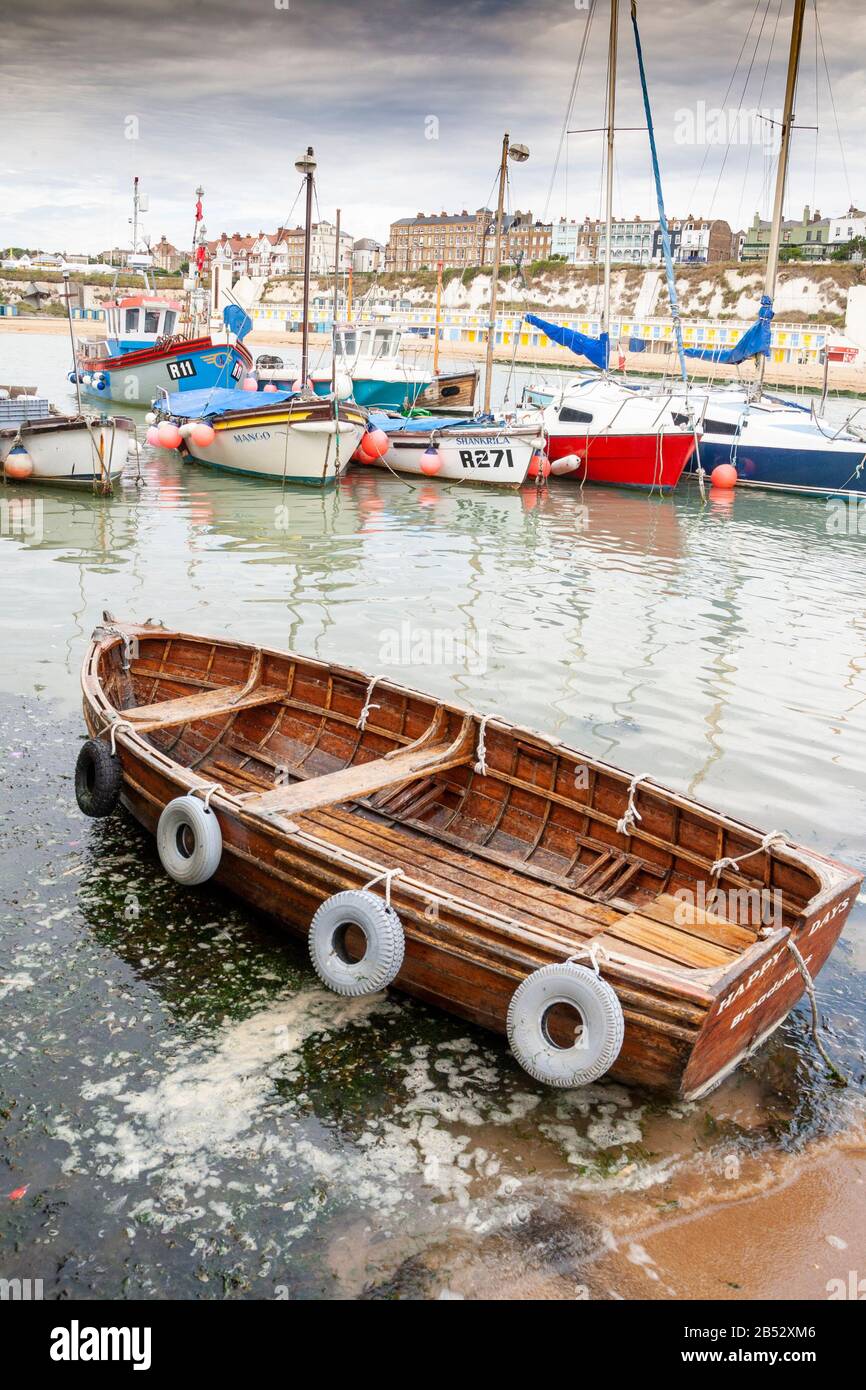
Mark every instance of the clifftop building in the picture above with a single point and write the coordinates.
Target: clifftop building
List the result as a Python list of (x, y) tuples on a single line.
[(463, 239)]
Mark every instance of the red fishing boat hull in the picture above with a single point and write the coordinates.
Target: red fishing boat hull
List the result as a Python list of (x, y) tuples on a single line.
[(625, 460)]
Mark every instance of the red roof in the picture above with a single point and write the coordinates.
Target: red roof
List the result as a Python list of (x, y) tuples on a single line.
[(137, 301)]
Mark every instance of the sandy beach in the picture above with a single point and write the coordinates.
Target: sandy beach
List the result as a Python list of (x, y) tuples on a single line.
[(843, 378)]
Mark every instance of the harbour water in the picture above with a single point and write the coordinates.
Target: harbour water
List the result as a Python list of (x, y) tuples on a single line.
[(187, 1113)]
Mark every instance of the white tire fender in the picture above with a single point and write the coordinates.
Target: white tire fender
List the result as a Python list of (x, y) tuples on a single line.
[(599, 1036), (385, 943), (189, 840)]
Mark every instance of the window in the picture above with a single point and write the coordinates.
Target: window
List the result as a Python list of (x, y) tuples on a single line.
[(170, 320), (130, 321), (576, 417)]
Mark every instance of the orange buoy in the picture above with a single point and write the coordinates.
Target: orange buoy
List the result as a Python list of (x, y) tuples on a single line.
[(539, 465), (375, 444), (724, 476), (152, 436), (19, 464)]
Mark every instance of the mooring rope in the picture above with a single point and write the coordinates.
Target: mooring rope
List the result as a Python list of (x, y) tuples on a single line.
[(816, 1027)]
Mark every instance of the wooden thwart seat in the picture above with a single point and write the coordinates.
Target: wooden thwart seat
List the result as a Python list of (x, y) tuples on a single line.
[(362, 779), (208, 704)]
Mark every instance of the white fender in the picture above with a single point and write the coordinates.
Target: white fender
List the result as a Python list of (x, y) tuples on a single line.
[(600, 1033)]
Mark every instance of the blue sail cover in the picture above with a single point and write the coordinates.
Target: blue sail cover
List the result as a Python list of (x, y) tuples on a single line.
[(202, 405), (597, 350), (237, 321), (755, 342)]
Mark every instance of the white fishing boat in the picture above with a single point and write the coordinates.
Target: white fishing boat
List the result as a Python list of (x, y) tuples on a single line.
[(284, 437), (459, 450), (39, 445), (373, 358)]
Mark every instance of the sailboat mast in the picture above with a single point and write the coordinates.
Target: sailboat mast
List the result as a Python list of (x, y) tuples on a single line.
[(306, 166), (336, 309), (494, 279), (611, 119), (782, 172)]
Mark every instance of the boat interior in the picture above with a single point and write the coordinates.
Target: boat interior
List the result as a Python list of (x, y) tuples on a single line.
[(521, 827)]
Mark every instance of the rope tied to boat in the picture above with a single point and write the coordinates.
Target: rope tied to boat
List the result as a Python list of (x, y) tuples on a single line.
[(387, 875), (116, 725), (110, 629), (774, 837), (209, 789), (813, 1002), (481, 750), (593, 953), (632, 814), (362, 717)]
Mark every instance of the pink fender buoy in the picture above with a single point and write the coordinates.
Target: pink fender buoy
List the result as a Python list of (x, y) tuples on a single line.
[(724, 476), (202, 434), (431, 461), (249, 384), (152, 436), (169, 436), (269, 386)]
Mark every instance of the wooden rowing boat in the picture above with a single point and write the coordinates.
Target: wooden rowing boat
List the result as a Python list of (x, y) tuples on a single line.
[(506, 852)]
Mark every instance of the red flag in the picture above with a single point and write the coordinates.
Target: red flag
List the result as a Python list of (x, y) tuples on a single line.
[(199, 258), (198, 211)]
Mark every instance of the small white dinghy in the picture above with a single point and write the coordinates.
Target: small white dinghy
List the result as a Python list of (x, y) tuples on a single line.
[(459, 450), (39, 445)]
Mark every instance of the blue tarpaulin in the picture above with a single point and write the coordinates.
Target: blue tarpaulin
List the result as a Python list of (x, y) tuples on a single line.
[(754, 342), (390, 425), (201, 405), (597, 350), (637, 344)]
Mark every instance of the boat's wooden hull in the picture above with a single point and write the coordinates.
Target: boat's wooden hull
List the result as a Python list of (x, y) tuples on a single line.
[(479, 914), (450, 391)]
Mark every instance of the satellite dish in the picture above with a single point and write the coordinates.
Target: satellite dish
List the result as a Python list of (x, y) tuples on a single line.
[(519, 153)]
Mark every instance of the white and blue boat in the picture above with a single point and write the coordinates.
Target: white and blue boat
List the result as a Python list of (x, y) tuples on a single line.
[(372, 358), (143, 353)]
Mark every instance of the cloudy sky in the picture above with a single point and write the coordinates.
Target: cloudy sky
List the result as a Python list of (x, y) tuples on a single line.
[(405, 103)]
